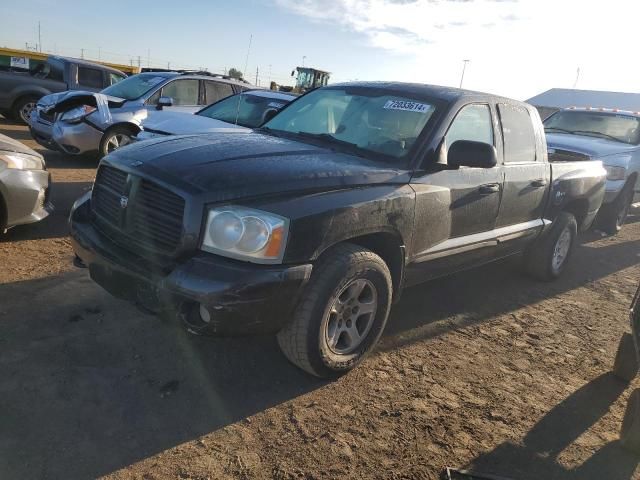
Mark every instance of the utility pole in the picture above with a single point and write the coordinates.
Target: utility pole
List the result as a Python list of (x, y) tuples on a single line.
[(82, 53), (464, 68), (138, 61), (269, 74), (168, 65), (304, 57), (39, 38)]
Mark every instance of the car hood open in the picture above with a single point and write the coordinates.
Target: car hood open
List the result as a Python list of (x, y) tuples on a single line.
[(180, 123), (221, 167)]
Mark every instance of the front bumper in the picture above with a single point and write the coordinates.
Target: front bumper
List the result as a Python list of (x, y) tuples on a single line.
[(242, 298), (76, 138), (42, 131), (26, 195)]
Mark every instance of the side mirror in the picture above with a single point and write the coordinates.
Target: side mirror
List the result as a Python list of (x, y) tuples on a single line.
[(466, 153), (268, 115), (164, 102)]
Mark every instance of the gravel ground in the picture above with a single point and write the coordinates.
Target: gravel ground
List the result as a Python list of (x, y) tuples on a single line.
[(485, 369)]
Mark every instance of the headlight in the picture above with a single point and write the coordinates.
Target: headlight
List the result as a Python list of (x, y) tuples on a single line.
[(246, 234), (78, 113), (21, 161), (615, 173)]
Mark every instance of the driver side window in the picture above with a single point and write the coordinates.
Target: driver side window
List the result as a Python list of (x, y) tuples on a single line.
[(473, 123)]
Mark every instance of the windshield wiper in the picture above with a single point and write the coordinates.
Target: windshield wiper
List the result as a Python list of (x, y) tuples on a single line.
[(558, 129), (325, 137), (605, 135)]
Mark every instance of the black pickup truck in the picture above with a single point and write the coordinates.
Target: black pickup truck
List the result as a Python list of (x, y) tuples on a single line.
[(312, 225)]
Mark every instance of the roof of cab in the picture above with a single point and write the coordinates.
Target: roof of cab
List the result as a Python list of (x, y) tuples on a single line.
[(87, 63), (448, 94)]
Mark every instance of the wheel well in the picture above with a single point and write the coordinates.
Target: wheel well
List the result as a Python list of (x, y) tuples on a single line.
[(579, 209), (24, 95), (391, 249), (132, 127)]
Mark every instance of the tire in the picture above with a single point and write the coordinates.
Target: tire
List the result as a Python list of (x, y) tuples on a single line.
[(23, 107), (630, 429), (347, 280), (611, 217), (548, 257), (625, 366), (112, 139)]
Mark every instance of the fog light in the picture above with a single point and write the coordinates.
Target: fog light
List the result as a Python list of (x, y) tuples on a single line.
[(205, 316)]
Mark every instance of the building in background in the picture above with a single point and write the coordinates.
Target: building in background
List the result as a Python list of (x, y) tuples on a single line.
[(557, 98)]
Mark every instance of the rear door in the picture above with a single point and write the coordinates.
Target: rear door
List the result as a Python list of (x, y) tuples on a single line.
[(89, 78), (215, 91), (456, 210), (527, 178)]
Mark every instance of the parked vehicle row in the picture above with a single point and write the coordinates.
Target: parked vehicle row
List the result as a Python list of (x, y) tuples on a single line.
[(612, 136), (312, 225), (79, 122), (21, 91)]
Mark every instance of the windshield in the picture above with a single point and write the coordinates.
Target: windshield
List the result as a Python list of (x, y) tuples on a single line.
[(250, 110), (612, 126), (134, 87), (369, 120)]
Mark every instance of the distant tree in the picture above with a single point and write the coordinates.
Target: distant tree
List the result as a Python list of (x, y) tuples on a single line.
[(235, 73)]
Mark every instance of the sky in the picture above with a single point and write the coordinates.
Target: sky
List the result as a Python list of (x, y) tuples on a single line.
[(516, 48)]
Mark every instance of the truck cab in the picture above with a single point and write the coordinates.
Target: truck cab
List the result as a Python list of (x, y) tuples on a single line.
[(609, 135)]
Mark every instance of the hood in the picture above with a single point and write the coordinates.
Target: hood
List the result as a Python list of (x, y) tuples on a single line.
[(75, 97), (179, 123), (10, 145), (593, 147), (227, 166)]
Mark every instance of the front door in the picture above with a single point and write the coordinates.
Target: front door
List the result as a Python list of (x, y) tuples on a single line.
[(456, 210)]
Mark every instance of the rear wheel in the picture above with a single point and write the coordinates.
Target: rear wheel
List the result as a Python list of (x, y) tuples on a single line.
[(548, 257), (612, 216), (115, 138), (22, 108), (342, 313)]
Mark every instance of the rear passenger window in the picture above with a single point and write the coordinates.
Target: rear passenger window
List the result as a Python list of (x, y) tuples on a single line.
[(183, 92), (90, 77), (215, 91), (519, 136), (473, 123)]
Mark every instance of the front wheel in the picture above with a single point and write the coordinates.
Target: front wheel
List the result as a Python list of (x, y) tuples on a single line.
[(23, 107), (115, 138), (341, 314), (625, 365), (612, 216), (548, 257)]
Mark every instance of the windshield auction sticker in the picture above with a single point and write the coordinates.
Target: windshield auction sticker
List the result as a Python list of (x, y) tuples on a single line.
[(406, 106)]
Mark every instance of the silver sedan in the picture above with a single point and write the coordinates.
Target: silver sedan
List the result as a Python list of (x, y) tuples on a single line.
[(24, 185)]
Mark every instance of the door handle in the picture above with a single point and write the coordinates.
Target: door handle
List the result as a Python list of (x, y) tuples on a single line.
[(539, 183), (489, 188)]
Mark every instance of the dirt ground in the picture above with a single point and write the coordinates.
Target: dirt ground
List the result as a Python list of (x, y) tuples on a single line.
[(485, 369)]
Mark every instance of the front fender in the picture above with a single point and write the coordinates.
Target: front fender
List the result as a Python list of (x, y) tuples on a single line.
[(321, 220)]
